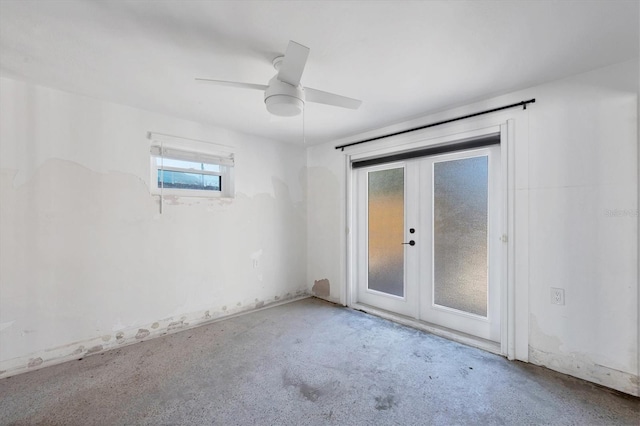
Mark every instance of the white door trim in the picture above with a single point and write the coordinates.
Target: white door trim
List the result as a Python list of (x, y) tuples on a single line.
[(514, 310)]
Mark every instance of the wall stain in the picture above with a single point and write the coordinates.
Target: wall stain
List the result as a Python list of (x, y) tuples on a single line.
[(174, 325), (34, 362), (321, 288), (155, 325), (207, 315), (141, 211), (78, 351), (142, 333), (94, 349)]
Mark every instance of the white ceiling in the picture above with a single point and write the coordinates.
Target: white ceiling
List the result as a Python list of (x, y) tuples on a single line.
[(402, 58)]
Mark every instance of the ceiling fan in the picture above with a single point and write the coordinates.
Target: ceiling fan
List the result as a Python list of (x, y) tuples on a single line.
[(284, 96)]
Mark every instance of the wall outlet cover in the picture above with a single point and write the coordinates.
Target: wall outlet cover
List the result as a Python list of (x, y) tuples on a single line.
[(557, 296)]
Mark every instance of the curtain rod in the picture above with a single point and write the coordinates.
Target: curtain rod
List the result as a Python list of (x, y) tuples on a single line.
[(522, 104)]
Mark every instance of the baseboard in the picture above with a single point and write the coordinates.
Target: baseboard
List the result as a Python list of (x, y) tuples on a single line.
[(599, 374), (456, 336), (80, 349), (334, 300)]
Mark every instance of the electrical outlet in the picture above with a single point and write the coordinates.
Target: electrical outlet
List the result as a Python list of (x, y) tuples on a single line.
[(557, 296)]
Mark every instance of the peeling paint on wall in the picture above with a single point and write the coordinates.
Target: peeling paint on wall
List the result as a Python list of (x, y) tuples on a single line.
[(325, 218), (35, 362), (321, 288), (548, 352), (74, 213), (142, 333), (78, 222), (175, 324), (113, 235), (95, 349), (133, 335)]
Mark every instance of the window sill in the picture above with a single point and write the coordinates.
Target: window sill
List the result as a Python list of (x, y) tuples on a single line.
[(193, 195)]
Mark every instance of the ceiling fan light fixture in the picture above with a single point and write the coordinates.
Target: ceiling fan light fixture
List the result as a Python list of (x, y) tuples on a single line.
[(284, 96), (284, 105)]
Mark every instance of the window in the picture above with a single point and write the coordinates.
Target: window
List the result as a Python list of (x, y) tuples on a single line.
[(182, 174), (190, 173)]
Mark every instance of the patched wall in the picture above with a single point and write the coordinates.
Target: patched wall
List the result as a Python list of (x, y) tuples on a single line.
[(86, 259)]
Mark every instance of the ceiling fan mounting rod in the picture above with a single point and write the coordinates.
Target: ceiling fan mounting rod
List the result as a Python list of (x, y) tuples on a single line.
[(277, 62)]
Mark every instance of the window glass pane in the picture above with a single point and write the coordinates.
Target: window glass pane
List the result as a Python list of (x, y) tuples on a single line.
[(184, 180), (212, 183), (460, 208), (183, 164), (386, 231), (210, 167)]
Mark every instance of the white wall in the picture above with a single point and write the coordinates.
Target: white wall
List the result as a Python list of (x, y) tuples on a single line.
[(88, 263), (576, 215), (86, 260)]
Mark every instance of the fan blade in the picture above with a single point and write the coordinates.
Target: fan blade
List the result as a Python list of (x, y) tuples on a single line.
[(318, 96), (233, 84), (293, 63)]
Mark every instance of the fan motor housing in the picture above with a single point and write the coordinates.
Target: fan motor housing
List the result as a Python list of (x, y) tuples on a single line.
[(283, 99)]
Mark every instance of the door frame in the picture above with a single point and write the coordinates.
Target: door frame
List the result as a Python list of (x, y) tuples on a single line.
[(514, 281)]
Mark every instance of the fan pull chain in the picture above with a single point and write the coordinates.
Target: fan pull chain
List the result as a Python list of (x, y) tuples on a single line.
[(161, 174)]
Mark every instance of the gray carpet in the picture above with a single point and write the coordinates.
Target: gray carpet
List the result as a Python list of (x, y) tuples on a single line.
[(307, 362)]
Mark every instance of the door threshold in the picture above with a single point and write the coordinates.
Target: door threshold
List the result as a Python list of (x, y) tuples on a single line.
[(447, 333)]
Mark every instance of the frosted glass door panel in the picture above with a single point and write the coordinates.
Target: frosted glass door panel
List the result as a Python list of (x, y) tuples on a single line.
[(386, 231), (460, 206)]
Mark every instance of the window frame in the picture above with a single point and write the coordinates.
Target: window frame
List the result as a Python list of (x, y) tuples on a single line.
[(224, 163)]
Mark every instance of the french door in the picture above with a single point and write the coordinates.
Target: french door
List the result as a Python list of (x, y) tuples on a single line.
[(428, 239)]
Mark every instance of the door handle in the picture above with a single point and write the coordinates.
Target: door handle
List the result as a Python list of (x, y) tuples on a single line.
[(411, 243)]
